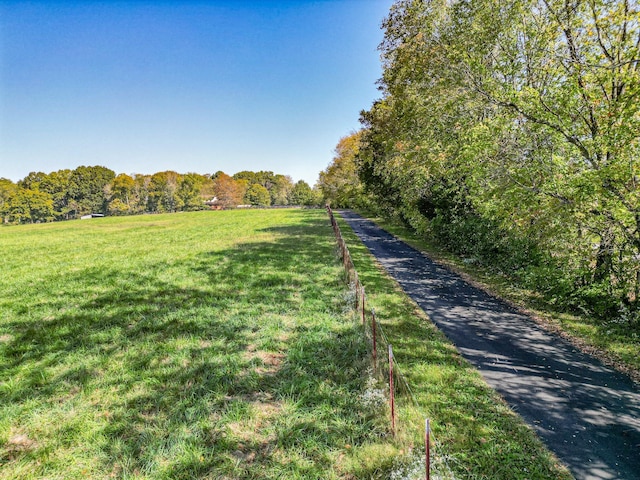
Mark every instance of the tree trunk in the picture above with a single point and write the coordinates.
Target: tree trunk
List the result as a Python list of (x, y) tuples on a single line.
[(604, 257)]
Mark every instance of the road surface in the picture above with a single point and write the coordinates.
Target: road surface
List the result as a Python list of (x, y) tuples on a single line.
[(585, 412)]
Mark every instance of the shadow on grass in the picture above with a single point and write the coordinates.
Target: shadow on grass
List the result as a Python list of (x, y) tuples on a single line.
[(470, 422), (254, 371), (585, 412)]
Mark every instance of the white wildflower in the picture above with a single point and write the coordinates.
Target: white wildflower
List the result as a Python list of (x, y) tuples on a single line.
[(373, 397)]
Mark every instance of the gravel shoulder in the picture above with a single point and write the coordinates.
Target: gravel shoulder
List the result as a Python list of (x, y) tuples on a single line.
[(587, 413)]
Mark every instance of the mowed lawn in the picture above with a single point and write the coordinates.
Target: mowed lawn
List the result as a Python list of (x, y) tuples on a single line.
[(196, 345)]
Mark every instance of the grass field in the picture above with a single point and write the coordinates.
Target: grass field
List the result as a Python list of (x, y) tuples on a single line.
[(205, 345), (219, 345)]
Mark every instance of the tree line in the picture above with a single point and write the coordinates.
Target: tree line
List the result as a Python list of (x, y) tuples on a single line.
[(68, 194), (509, 132)]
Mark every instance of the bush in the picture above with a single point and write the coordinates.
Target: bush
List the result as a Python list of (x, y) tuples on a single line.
[(473, 236)]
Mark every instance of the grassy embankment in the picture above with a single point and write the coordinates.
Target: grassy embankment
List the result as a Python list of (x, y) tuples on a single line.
[(476, 432), (217, 345), (613, 340)]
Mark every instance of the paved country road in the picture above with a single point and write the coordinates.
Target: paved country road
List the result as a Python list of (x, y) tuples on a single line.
[(585, 412)]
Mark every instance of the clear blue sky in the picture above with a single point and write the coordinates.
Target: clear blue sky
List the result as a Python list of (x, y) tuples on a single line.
[(199, 86)]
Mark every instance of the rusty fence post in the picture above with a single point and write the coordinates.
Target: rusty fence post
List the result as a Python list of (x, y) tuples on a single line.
[(427, 448), (392, 399), (363, 305), (344, 257), (375, 342)]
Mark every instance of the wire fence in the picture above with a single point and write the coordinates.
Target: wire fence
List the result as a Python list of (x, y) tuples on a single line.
[(406, 416)]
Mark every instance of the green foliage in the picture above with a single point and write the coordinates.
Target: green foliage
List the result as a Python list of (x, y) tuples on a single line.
[(57, 184), (258, 195), (281, 190), (189, 192), (86, 189), (119, 207), (32, 180), (29, 206), (122, 195), (162, 192), (7, 190), (302, 194), (339, 182), (526, 114), (278, 186), (98, 190)]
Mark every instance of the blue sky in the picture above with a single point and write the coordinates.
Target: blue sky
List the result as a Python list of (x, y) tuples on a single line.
[(199, 86)]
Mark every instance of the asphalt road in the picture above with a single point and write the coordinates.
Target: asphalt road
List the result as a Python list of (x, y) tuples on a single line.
[(585, 412)]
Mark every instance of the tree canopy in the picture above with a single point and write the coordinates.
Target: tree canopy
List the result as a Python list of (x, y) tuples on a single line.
[(339, 182), (258, 195), (68, 194), (510, 132)]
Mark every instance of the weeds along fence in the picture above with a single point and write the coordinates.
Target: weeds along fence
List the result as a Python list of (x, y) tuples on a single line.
[(407, 421)]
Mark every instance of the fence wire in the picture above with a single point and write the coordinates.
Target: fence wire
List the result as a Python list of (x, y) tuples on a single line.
[(377, 339)]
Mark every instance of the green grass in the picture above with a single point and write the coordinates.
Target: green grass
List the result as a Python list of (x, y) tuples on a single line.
[(201, 345), (220, 345), (613, 340), (476, 432)]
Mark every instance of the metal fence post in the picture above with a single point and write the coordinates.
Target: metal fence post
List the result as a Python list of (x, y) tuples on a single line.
[(392, 399), (363, 305), (375, 341), (427, 448)]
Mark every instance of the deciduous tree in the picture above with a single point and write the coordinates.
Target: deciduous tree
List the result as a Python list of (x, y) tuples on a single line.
[(87, 190), (228, 191), (190, 191), (521, 118), (302, 194), (162, 192), (7, 191), (57, 185), (121, 194), (29, 206), (258, 195), (339, 182)]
